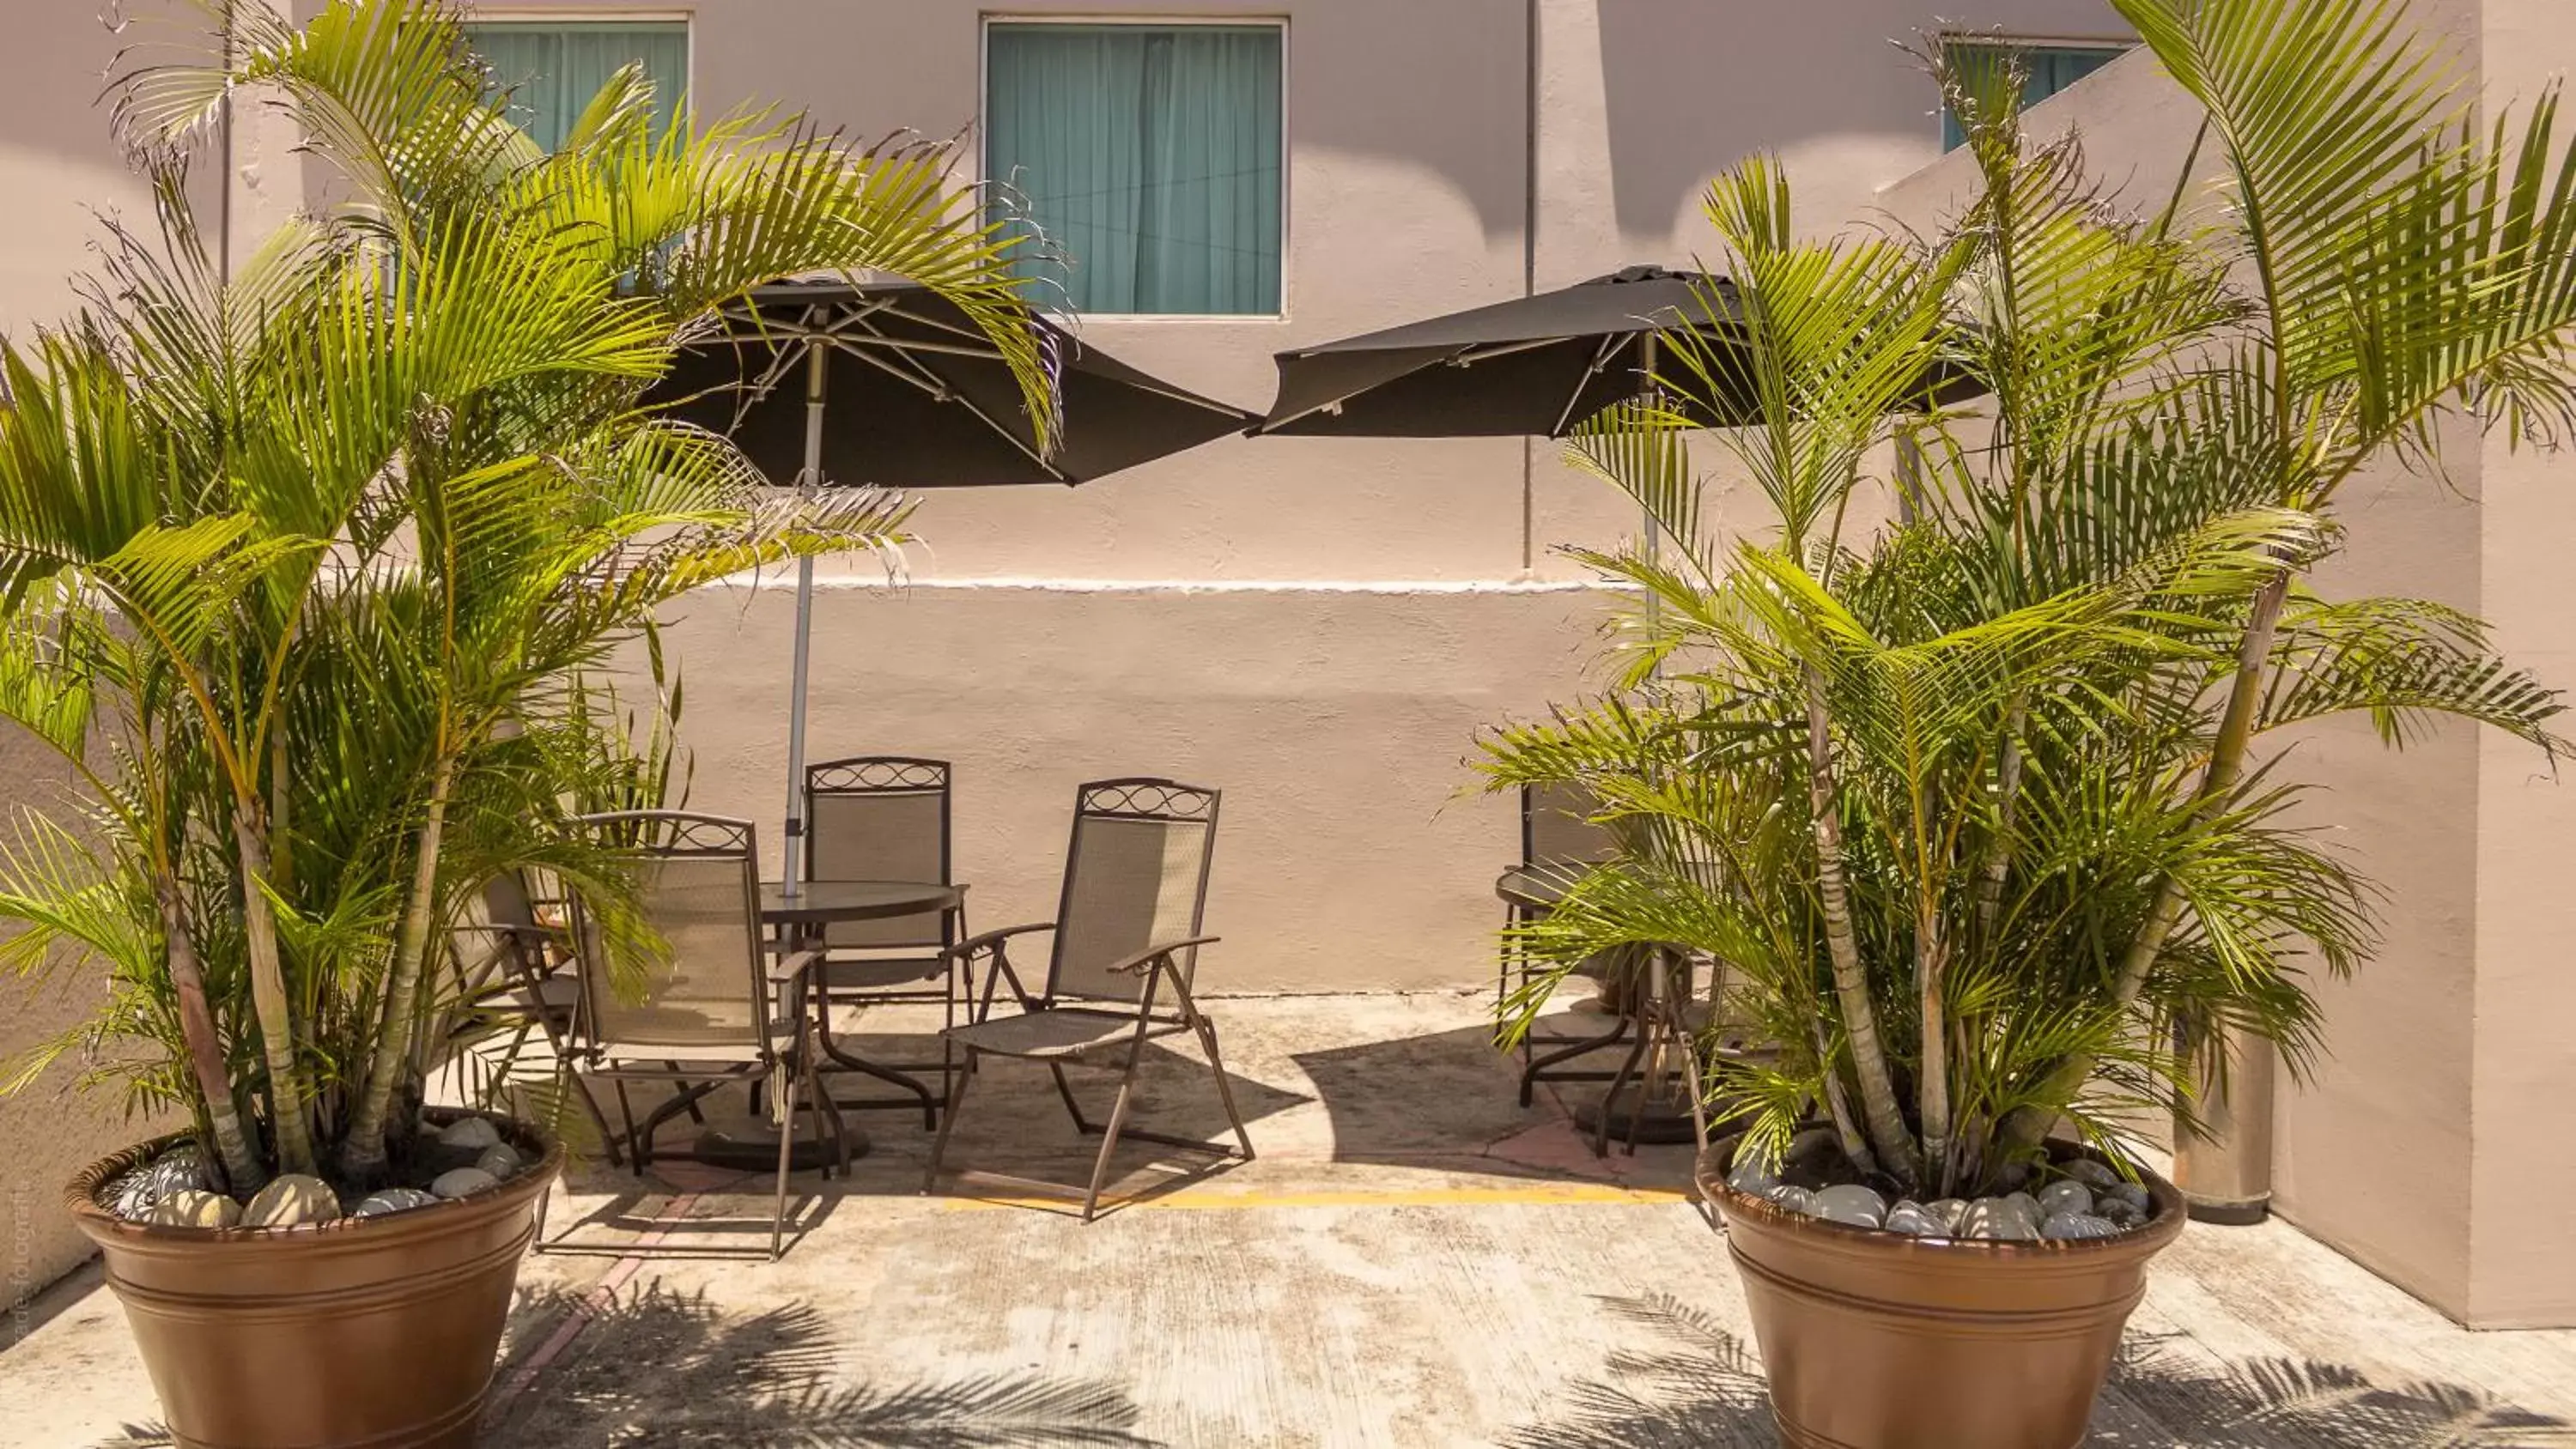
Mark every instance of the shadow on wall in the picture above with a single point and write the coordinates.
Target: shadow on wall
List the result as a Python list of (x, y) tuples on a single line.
[(654, 1367), (1700, 1387)]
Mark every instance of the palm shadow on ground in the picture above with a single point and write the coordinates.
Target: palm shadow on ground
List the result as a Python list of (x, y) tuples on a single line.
[(1698, 1387), (652, 1367)]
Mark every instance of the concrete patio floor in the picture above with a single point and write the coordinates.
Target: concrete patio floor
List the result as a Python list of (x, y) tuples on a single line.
[(1412, 1260)]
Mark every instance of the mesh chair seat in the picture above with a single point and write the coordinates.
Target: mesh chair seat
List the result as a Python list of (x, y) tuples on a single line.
[(1066, 1031), (782, 1035)]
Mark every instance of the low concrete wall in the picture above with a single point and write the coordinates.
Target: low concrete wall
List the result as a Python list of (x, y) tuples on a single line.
[(1336, 720)]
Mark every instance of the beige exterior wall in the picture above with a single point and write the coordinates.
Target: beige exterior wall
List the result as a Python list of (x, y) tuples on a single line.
[(60, 174), (2448, 1065), (2523, 1252)]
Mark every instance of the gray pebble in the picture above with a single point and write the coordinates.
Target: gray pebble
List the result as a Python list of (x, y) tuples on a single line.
[(1851, 1203), (391, 1200), (192, 1208), (1795, 1199), (181, 1169), (290, 1200), (1995, 1218), (2064, 1197), (2025, 1205), (463, 1182), (501, 1160), (2090, 1173), (2118, 1213), (470, 1132), (2138, 1198), (1915, 1220), (2078, 1225), (1755, 1172), (1952, 1211)]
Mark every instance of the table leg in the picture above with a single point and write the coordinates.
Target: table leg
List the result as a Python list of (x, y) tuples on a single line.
[(755, 1148)]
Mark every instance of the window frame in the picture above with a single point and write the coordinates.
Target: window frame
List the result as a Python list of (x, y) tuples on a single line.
[(984, 101), (504, 13), (2114, 46)]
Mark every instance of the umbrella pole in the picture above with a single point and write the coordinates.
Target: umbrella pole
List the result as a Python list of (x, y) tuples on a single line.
[(1654, 539), (817, 358)]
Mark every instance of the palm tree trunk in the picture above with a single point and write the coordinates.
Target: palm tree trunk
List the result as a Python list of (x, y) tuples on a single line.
[(362, 1152), (1838, 1106), (1932, 1086), (1879, 1108), (2226, 762), (287, 1127), (243, 1171)]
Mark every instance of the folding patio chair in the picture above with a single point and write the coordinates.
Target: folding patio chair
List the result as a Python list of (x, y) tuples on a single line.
[(885, 817), (708, 1009), (1559, 840), (512, 964), (1121, 969)]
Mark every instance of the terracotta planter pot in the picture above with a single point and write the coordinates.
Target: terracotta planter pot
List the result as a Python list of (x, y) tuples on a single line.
[(1877, 1341), (377, 1332)]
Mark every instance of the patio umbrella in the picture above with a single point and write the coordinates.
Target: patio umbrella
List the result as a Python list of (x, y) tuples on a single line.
[(1531, 367), (831, 382)]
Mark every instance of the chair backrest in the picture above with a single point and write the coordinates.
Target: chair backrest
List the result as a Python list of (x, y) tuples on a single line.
[(698, 888), (879, 817), (1557, 826), (1135, 876)]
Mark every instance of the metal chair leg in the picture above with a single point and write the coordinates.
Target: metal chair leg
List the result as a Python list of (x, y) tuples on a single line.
[(1109, 1138), (786, 1156), (948, 1120), (1224, 1088), (1627, 1068), (636, 1156)]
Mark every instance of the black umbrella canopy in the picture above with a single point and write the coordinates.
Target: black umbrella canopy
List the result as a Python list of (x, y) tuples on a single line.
[(1532, 366), (914, 396)]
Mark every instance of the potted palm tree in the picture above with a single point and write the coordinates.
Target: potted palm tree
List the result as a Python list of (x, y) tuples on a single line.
[(304, 563), (1981, 807)]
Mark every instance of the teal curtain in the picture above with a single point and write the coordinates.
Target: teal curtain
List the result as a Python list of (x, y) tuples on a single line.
[(1149, 157), (551, 71), (2048, 70)]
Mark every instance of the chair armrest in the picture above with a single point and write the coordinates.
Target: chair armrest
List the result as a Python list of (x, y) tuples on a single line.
[(792, 967), (987, 940), (1144, 959)]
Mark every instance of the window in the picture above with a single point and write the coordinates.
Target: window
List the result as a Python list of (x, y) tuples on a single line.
[(2051, 68), (550, 71), (1149, 155)]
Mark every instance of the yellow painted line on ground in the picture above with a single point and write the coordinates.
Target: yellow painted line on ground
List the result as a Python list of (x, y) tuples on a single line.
[(1549, 1194)]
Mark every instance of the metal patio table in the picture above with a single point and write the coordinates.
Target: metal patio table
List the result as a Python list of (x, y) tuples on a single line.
[(1650, 1015), (813, 905)]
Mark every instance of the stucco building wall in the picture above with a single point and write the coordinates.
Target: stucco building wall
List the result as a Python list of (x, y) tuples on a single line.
[(61, 174)]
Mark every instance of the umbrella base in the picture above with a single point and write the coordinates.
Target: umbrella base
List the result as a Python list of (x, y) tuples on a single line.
[(1661, 1120), (757, 1151)]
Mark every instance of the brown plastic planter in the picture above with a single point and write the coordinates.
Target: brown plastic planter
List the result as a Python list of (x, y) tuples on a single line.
[(1877, 1341), (367, 1333)]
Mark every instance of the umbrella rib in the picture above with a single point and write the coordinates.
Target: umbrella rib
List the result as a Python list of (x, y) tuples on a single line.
[(1600, 359)]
